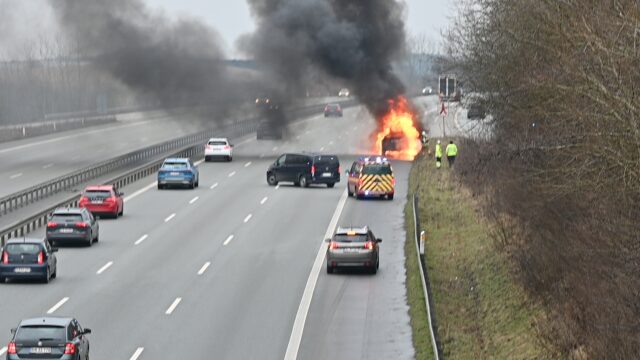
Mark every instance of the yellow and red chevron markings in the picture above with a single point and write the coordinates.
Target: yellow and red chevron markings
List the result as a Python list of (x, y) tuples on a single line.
[(377, 183)]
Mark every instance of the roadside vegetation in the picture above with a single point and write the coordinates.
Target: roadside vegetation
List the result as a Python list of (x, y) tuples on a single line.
[(481, 310), (561, 171)]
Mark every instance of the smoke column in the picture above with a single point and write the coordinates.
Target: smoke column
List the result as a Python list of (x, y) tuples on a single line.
[(352, 40)]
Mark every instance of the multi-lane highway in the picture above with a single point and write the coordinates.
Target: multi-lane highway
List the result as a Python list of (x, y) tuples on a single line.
[(234, 269)]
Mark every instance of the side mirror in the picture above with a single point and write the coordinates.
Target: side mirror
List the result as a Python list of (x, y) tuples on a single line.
[(86, 331), (327, 240), (54, 250), (379, 240)]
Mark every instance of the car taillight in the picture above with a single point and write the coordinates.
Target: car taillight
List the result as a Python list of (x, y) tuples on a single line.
[(360, 181), (70, 349), (5, 257), (82, 224), (11, 348), (313, 170), (52, 224), (368, 245), (333, 245), (393, 181), (84, 199), (326, 108), (41, 258), (227, 147), (208, 147), (110, 199)]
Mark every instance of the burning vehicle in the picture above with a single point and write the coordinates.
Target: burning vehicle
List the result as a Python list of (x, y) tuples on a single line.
[(397, 135)]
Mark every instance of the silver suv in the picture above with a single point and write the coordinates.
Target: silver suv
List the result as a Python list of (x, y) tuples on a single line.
[(353, 247)]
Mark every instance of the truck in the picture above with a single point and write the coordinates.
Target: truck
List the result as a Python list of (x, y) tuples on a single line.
[(448, 87)]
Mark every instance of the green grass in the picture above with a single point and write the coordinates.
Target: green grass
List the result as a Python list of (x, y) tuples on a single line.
[(481, 310)]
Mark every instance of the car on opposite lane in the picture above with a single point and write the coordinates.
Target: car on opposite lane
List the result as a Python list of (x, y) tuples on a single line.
[(344, 92), (178, 172), (427, 91), (25, 259), (49, 338), (305, 169), (72, 225), (353, 247), (371, 177), (103, 200), (333, 110), (218, 148)]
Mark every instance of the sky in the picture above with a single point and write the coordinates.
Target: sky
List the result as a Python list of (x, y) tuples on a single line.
[(231, 18)]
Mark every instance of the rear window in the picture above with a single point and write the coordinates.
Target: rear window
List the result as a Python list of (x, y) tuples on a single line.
[(41, 333), (377, 170), (174, 165), (23, 249), (97, 194), (350, 238), (326, 160), (218, 142), (333, 107), (66, 217)]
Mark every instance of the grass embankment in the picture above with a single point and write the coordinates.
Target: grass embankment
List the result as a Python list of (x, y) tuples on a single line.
[(482, 312)]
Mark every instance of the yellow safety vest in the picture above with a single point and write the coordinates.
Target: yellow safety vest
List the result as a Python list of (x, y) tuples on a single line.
[(438, 150), (452, 150)]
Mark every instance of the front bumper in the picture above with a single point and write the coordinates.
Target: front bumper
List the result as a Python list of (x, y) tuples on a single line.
[(36, 271)]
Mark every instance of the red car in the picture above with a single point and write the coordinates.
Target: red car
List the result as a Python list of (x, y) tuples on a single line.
[(103, 200)]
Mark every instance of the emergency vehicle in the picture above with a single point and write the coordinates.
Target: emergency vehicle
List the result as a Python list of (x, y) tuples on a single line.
[(371, 177)]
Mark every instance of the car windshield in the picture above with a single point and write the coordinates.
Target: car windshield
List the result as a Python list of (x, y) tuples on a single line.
[(97, 194), (377, 170), (326, 160), (174, 165), (218, 142), (31, 333), (18, 249), (66, 218), (350, 238)]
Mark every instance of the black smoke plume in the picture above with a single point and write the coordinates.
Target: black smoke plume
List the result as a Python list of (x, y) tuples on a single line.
[(354, 41), (176, 62)]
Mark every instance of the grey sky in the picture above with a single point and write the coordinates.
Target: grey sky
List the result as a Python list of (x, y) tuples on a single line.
[(232, 18)]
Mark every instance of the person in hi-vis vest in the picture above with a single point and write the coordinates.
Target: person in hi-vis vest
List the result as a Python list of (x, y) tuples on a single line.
[(438, 155), (452, 152)]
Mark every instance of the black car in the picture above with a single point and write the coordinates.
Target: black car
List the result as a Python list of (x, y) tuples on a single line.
[(72, 225), (391, 142), (49, 338), (28, 259), (268, 130), (305, 169), (333, 110)]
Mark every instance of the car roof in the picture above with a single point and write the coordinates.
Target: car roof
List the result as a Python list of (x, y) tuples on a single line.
[(333, 104), (69, 210), (374, 160), (25, 240), (352, 230), (176, 159), (99, 187), (56, 321), (218, 139)]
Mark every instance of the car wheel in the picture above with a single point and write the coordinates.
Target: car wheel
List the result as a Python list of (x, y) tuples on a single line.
[(330, 269), (229, 158), (97, 238), (349, 193), (390, 197), (331, 185), (192, 185), (358, 196), (271, 180), (121, 211), (3, 279), (47, 276), (55, 273), (90, 241), (303, 181), (197, 183), (160, 187)]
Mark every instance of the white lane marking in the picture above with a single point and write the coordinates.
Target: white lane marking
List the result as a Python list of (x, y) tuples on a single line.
[(173, 306), (58, 305), (246, 141), (213, 186), (232, 173), (137, 354), (198, 162), (247, 164), (204, 268), (264, 200), (170, 217), (246, 220), (322, 148), (194, 200), (48, 166), (84, 133), (274, 148), (15, 176), (104, 268), (277, 186), (141, 191), (142, 238), (305, 303), (3, 350), (226, 242)]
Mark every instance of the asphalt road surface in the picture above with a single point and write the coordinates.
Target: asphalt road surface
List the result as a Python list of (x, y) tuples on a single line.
[(230, 270)]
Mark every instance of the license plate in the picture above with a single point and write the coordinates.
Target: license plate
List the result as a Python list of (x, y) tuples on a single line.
[(327, 174), (351, 250), (97, 202), (66, 231), (174, 173), (22, 270), (41, 350)]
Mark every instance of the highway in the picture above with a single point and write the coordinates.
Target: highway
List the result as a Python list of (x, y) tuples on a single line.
[(230, 270)]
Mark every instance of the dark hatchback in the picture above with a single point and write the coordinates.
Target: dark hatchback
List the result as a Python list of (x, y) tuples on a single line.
[(305, 169), (49, 338), (25, 258)]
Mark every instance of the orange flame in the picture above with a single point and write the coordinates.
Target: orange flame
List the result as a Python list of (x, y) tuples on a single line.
[(399, 123)]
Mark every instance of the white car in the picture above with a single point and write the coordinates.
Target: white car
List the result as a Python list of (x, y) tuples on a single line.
[(427, 91), (343, 93), (218, 148)]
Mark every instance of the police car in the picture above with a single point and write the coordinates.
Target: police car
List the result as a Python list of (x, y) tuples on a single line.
[(371, 177)]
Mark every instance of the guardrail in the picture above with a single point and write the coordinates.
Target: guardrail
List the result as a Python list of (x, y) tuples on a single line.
[(15, 132), (426, 284), (191, 145)]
